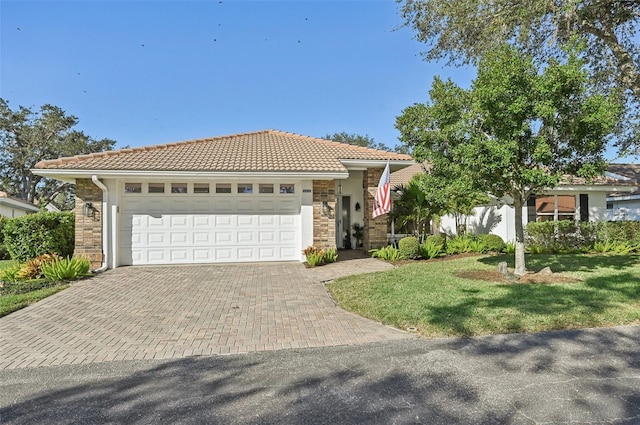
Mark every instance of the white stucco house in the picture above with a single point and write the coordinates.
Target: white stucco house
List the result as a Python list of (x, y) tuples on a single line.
[(12, 207), (624, 206), (574, 199), (259, 196)]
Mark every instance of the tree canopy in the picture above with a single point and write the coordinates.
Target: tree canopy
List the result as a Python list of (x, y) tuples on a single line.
[(463, 31), (357, 140), (27, 137), (516, 131)]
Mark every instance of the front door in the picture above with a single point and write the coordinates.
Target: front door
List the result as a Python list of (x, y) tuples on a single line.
[(343, 224)]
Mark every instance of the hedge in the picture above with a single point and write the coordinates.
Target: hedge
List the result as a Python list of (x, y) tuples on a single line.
[(567, 235), (4, 254), (33, 235)]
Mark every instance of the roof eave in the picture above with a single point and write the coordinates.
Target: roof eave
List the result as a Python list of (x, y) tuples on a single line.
[(19, 204), (70, 175), (363, 164)]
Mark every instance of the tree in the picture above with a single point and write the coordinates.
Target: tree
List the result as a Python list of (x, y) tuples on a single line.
[(516, 131), (27, 137), (463, 31), (357, 140)]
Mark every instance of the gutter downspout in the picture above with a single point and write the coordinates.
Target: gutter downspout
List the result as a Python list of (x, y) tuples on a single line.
[(105, 224)]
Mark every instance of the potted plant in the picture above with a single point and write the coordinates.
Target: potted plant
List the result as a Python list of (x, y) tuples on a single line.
[(358, 234)]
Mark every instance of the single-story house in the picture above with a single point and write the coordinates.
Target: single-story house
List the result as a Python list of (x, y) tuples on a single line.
[(259, 196), (574, 198), (13, 207), (625, 206)]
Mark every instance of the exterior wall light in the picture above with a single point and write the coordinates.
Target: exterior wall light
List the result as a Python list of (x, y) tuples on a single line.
[(327, 211), (88, 210)]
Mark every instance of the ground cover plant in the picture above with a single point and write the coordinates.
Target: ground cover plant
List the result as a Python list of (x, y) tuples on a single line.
[(25, 283), (436, 297)]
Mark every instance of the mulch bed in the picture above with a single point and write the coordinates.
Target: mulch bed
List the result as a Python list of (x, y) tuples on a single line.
[(496, 276)]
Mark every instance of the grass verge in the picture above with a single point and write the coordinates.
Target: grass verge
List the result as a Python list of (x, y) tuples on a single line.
[(14, 296), (431, 297)]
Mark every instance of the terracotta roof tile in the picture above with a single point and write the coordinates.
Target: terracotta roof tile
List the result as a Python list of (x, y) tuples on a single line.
[(404, 176), (268, 150), (630, 171)]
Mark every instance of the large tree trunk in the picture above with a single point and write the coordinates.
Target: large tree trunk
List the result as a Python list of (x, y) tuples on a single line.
[(521, 267)]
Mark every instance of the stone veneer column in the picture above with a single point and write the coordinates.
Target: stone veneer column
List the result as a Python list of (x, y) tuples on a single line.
[(88, 231), (375, 230), (324, 228)]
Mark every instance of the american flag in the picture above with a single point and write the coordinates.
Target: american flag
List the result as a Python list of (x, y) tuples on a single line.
[(382, 198)]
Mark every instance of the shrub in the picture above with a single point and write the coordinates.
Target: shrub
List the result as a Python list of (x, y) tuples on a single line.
[(494, 243), (33, 235), (622, 231), (478, 246), (32, 269), (4, 254), (10, 274), (431, 249), (330, 255), (437, 239), (510, 248), (388, 253), (317, 256), (458, 245), (409, 247), (66, 268)]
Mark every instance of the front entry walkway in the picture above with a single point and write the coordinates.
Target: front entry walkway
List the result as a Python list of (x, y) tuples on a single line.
[(166, 312)]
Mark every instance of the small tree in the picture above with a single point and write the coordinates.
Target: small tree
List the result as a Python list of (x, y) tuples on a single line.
[(516, 131)]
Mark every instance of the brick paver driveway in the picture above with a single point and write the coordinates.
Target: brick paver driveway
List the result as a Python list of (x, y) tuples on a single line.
[(177, 311)]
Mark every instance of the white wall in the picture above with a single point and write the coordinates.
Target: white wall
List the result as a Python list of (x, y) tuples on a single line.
[(500, 219), (12, 212), (627, 210)]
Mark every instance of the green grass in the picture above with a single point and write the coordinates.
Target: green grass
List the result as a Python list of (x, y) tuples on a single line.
[(16, 296), (429, 296)]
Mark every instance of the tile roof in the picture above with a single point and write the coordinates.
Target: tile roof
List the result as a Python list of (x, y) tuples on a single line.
[(630, 171), (268, 150), (404, 176)]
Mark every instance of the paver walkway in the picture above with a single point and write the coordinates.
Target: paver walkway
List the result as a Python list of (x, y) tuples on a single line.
[(177, 311)]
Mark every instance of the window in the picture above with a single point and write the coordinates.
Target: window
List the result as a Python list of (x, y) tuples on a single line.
[(156, 187), (245, 188), (287, 188), (223, 187), (178, 188), (133, 188), (555, 207), (265, 188), (201, 188)]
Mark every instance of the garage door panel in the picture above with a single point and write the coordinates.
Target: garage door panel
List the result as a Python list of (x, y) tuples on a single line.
[(268, 236), (246, 221), (243, 237), (224, 221), (205, 228), (246, 253), (224, 238), (179, 255), (201, 238), (287, 236), (223, 254)]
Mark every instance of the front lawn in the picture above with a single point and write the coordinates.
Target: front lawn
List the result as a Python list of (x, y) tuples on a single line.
[(431, 297), (16, 296)]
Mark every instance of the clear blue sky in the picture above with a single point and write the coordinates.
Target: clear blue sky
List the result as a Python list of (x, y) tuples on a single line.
[(150, 72)]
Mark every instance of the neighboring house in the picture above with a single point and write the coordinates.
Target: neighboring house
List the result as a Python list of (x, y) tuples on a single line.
[(260, 196), (12, 207), (624, 206), (574, 199)]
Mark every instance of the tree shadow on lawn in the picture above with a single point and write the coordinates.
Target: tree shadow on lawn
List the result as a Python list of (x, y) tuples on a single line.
[(558, 306), (567, 262)]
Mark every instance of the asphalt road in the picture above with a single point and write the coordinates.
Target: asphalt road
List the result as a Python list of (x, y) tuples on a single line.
[(590, 376)]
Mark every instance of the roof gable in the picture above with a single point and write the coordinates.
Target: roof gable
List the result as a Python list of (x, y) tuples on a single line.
[(268, 150)]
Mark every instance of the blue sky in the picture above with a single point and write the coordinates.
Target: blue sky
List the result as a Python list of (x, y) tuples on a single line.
[(150, 72)]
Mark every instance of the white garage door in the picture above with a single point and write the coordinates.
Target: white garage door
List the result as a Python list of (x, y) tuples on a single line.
[(180, 228)]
